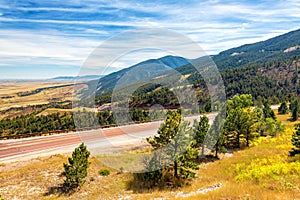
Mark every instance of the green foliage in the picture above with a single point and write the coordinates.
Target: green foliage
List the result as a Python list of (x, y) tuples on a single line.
[(200, 129), (295, 108), (283, 109), (76, 170), (216, 138), (104, 172), (242, 121), (31, 123), (251, 127), (271, 127), (273, 167), (175, 136), (296, 141), (167, 131), (268, 112), (180, 151)]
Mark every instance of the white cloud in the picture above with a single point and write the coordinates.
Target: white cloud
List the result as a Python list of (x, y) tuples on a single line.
[(42, 47), (215, 25), (77, 22)]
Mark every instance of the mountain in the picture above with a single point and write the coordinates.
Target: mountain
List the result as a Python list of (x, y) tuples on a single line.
[(142, 70), (267, 69), (79, 78), (281, 47)]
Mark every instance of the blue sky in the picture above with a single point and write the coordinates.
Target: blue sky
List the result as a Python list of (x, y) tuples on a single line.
[(43, 38)]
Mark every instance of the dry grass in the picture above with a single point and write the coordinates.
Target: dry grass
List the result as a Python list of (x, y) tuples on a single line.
[(50, 111), (39, 179), (44, 97), (33, 180)]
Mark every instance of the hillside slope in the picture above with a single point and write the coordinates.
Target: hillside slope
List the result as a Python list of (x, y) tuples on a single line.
[(280, 48), (145, 69)]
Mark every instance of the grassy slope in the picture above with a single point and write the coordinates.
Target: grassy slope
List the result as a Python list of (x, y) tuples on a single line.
[(262, 172), (46, 96)]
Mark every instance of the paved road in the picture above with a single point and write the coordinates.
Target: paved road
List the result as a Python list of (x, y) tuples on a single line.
[(107, 140)]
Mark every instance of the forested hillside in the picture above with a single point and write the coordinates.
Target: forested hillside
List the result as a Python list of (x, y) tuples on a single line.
[(275, 80), (281, 48)]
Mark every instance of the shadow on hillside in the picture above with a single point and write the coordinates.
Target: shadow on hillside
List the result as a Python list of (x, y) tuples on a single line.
[(147, 182), (60, 190), (207, 159), (139, 185)]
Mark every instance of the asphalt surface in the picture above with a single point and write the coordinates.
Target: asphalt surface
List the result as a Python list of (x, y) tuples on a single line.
[(106, 140)]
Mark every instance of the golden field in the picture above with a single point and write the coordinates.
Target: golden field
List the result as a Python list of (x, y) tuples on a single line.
[(13, 100)]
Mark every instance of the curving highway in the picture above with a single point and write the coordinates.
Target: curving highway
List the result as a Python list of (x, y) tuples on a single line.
[(106, 140)]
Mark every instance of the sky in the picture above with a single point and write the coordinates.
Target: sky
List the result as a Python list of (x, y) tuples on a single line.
[(48, 38)]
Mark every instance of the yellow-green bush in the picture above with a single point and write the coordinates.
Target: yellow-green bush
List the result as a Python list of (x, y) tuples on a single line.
[(272, 167)]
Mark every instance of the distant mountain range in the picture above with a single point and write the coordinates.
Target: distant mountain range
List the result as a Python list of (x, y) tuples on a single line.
[(79, 78), (282, 47)]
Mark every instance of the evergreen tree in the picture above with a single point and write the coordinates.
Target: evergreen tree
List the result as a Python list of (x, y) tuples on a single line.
[(296, 141), (295, 109), (283, 109), (175, 136), (271, 127), (180, 151), (268, 112), (252, 125), (167, 130), (76, 171), (236, 119), (216, 138), (200, 129)]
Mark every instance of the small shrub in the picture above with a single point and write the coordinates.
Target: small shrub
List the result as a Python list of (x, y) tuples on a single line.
[(121, 170), (104, 172), (92, 179)]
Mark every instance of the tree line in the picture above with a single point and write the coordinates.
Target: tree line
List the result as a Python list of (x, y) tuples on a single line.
[(178, 147)]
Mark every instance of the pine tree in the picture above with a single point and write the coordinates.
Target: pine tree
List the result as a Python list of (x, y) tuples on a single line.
[(180, 151), (268, 112), (252, 125), (283, 109), (216, 139), (167, 131), (76, 171), (201, 129), (296, 141), (175, 136), (236, 119), (295, 109)]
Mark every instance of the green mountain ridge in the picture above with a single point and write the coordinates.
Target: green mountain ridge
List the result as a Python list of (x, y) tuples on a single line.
[(145, 69), (260, 52), (267, 69), (248, 54)]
